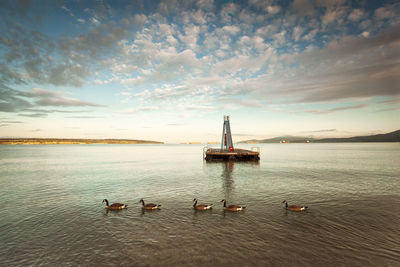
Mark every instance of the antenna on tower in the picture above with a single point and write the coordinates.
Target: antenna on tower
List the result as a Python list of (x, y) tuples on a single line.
[(226, 143)]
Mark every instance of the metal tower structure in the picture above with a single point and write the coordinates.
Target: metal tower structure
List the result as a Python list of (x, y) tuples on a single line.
[(226, 143)]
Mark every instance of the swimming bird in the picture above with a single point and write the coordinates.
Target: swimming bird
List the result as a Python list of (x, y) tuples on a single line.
[(232, 207), (294, 207), (115, 206), (149, 206), (201, 206)]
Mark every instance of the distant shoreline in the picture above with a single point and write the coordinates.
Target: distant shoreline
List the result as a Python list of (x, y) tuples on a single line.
[(70, 141), (388, 137)]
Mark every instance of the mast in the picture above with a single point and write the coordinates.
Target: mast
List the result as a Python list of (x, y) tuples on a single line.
[(226, 143)]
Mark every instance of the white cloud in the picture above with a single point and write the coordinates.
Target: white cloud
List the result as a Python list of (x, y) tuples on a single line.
[(55, 98), (103, 82), (357, 15), (95, 21), (331, 110), (251, 103), (365, 34), (228, 10), (167, 92), (267, 30), (168, 7), (280, 37), (233, 30), (140, 19), (65, 8), (207, 5), (329, 16), (353, 67), (365, 24), (211, 41), (134, 81), (65, 101), (219, 52), (199, 107), (172, 40), (297, 32), (309, 36), (190, 37), (303, 7), (198, 17), (38, 92), (385, 12), (273, 9), (123, 68), (140, 109), (166, 29)]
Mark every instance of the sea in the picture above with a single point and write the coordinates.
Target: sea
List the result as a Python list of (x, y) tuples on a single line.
[(52, 214)]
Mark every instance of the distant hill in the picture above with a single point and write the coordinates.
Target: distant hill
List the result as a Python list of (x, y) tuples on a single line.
[(388, 137), (58, 141), (287, 138)]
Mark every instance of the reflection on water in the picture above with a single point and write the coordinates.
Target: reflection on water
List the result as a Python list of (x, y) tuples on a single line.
[(227, 169), (352, 191), (227, 178)]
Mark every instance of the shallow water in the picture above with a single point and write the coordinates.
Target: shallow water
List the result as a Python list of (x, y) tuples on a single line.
[(52, 210)]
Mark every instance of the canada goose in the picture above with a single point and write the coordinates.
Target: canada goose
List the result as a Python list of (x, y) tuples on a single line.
[(201, 206), (115, 206), (294, 207), (149, 206), (232, 207)]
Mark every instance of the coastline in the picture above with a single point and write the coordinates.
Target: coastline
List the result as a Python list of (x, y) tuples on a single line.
[(70, 141)]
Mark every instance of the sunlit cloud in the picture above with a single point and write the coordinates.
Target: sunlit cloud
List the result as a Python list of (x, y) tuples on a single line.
[(199, 57)]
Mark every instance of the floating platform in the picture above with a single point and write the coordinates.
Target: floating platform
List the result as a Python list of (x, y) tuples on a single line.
[(216, 154)]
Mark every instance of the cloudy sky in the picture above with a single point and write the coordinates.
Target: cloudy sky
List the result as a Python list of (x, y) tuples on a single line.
[(169, 70)]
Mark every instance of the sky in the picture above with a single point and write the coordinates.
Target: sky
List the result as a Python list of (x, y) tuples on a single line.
[(170, 70)]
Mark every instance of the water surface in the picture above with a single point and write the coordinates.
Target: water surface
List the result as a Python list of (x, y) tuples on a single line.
[(52, 210)]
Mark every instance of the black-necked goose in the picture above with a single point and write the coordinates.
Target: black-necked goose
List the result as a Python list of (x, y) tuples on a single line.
[(201, 206), (294, 207), (115, 206), (149, 206), (232, 207)]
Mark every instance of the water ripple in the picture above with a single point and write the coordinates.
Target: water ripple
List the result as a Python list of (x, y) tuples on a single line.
[(53, 211)]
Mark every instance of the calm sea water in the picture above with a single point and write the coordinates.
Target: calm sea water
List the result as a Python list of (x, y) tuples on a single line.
[(52, 212)]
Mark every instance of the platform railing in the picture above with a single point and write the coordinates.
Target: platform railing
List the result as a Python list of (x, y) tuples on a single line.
[(205, 149)]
